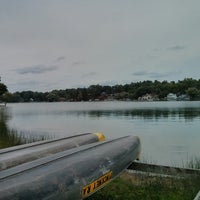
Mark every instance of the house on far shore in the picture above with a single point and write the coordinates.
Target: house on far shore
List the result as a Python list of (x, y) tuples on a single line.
[(171, 97), (183, 97), (148, 97)]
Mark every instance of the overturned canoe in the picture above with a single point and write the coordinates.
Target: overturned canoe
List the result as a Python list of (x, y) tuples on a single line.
[(72, 174), (13, 156)]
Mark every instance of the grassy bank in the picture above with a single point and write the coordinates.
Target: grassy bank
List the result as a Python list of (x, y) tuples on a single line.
[(138, 187), (144, 186)]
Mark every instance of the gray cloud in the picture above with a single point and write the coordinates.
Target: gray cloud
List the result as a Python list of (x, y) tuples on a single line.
[(60, 58), (77, 63), (37, 69), (140, 73), (159, 75), (90, 74), (176, 47), (154, 74)]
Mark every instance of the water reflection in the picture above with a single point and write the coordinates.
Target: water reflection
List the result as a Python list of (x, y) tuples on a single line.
[(188, 114), (169, 131), (11, 137), (148, 110)]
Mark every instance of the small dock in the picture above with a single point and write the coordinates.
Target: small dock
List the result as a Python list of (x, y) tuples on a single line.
[(161, 170), (3, 104)]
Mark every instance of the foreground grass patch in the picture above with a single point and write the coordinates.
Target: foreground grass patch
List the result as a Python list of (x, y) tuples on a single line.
[(138, 187)]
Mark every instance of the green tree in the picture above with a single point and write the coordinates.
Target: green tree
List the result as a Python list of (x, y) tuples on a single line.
[(3, 89), (52, 96), (193, 92), (7, 97), (94, 91), (26, 96)]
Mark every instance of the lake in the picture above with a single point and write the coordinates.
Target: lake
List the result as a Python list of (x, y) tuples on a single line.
[(169, 131)]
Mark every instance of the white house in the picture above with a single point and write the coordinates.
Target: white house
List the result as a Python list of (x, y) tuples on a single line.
[(171, 97)]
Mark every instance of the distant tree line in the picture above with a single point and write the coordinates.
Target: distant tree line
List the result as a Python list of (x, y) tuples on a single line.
[(132, 91)]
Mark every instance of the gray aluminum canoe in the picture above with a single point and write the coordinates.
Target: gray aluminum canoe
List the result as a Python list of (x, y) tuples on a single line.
[(71, 174)]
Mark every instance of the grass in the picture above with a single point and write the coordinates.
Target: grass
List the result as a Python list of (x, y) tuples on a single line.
[(14, 138), (193, 163), (143, 186), (139, 187)]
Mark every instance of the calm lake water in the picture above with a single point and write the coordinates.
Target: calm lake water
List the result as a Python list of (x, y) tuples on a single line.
[(169, 131)]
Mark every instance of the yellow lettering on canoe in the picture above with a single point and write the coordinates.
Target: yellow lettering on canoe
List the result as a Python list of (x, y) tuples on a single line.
[(97, 184)]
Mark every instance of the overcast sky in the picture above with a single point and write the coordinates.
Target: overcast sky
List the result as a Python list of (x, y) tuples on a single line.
[(59, 44)]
